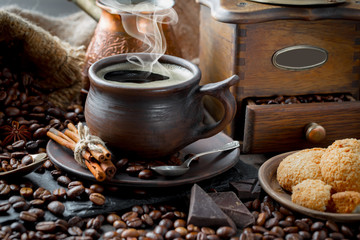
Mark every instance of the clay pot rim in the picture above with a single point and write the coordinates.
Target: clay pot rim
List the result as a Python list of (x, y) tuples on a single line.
[(113, 10), (118, 58)]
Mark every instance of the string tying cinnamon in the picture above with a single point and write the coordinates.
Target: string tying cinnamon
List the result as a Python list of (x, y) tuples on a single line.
[(86, 141)]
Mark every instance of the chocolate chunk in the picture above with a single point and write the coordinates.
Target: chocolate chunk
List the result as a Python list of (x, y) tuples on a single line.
[(203, 211), (232, 206), (247, 189)]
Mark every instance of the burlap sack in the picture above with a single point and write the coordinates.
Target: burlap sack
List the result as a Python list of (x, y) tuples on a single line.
[(58, 64)]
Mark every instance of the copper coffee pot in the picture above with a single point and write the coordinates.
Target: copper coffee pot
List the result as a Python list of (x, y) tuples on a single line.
[(111, 38)]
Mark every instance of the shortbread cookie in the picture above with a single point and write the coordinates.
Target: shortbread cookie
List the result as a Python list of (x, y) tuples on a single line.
[(300, 166), (314, 194)]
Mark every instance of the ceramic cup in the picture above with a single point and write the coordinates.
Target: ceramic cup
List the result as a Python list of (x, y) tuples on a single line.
[(138, 117)]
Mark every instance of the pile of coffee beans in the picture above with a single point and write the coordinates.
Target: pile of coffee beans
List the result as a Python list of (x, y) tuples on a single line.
[(311, 98), (25, 117), (161, 221), (142, 169), (276, 222)]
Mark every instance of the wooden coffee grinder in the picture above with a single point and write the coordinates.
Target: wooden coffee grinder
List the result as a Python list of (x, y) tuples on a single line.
[(284, 48)]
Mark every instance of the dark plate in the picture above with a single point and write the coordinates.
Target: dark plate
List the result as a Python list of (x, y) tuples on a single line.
[(268, 181), (301, 2), (207, 167)]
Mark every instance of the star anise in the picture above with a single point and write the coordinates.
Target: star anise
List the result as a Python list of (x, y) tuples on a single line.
[(14, 132)]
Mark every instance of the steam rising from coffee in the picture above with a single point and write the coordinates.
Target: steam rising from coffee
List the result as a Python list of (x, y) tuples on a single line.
[(143, 20)]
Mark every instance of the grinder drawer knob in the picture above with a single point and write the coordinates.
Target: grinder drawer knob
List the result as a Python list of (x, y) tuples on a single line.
[(315, 133)]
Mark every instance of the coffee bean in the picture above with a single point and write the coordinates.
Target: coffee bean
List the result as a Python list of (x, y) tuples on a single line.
[(131, 232), (129, 215), (91, 233), (28, 216), (40, 133), (155, 214), (166, 223), (37, 203), (183, 231), (15, 199), (302, 225), (56, 207), (293, 236), (31, 146), (285, 224), (161, 230), (191, 236), (279, 231), (201, 236), (18, 227), (21, 206), (60, 193), (27, 159), (319, 234), (119, 224), (171, 234), (316, 226), (56, 173), (63, 180), (94, 223), (207, 230), (39, 212), (75, 191), (305, 235), (40, 193), (153, 235), (336, 236), (76, 221), (261, 219), (4, 189), (4, 207), (12, 111), (258, 229), (147, 219), (146, 174), (291, 229), (46, 226), (112, 217), (271, 223), (97, 188), (346, 231), (134, 222), (74, 184), (97, 199), (18, 145), (332, 226), (121, 163), (75, 231)]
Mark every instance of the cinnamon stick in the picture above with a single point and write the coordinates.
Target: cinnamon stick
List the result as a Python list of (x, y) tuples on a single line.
[(100, 156), (94, 167), (74, 130), (72, 135), (109, 168)]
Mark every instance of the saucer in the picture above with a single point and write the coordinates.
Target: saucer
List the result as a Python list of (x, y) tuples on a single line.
[(206, 167), (268, 181)]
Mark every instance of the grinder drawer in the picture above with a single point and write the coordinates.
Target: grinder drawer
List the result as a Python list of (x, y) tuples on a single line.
[(280, 128)]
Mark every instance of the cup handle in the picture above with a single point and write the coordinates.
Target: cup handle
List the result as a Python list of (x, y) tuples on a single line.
[(221, 91)]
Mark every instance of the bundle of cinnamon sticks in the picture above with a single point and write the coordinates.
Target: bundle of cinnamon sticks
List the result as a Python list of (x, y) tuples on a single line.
[(98, 162)]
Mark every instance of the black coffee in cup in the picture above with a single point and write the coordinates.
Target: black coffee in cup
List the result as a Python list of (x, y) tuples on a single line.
[(128, 74)]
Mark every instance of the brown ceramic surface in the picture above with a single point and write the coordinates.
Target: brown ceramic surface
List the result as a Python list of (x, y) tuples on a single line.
[(207, 167), (267, 178), (156, 122)]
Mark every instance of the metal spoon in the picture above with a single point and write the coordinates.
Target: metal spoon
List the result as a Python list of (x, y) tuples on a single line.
[(38, 160), (173, 171)]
